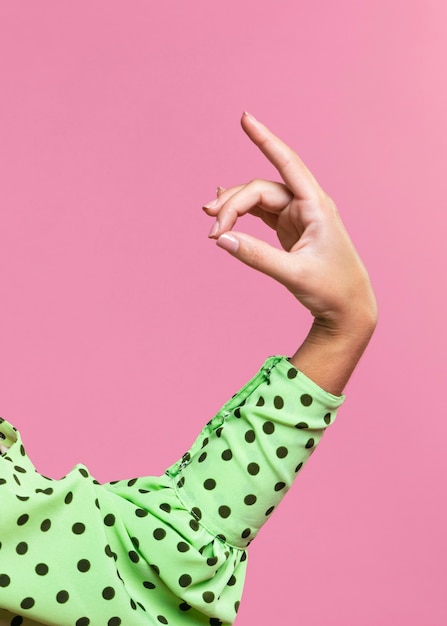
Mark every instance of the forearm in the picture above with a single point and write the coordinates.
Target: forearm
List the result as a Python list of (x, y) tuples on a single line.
[(328, 357)]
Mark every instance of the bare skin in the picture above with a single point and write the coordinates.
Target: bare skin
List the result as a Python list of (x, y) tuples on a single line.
[(319, 264)]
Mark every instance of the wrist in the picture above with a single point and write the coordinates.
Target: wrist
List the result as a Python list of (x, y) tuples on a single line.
[(350, 330), (330, 351)]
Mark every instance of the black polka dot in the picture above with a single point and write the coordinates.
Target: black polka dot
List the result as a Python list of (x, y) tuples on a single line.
[(108, 550), (268, 428), (159, 534), (148, 585), (194, 524), (83, 472), (224, 511), (236, 605), (22, 519), (184, 606), (306, 399), (48, 491), (184, 580), (219, 431), (292, 373), (62, 596), (108, 593), (196, 512), (246, 533), (22, 547), (250, 436), (279, 486), (45, 525), (131, 482), (253, 469), (298, 467), (68, 498), (282, 452), (140, 513), (227, 455), (205, 442), (202, 457), (4, 580), (114, 621), (208, 596), (27, 603), (82, 621), (109, 519), (212, 560), (20, 469), (209, 484), (260, 402), (302, 425), (135, 542), (269, 511), (181, 482), (182, 546), (327, 418), (250, 499), (165, 507), (78, 528), (41, 569), (278, 402), (133, 556), (310, 443), (162, 619), (237, 413), (232, 581), (83, 565), (215, 621)]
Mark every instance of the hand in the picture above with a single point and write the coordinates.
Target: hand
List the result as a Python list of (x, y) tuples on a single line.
[(319, 263)]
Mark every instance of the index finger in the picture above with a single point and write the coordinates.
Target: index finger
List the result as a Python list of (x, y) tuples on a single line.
[(294, 173)]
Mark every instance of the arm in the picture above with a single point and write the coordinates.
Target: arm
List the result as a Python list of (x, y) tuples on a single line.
[(318, 263)]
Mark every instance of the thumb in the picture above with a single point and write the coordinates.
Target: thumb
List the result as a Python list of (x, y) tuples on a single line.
[(258, 254)]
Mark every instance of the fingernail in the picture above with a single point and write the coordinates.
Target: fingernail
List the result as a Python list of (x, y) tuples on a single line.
[(214, 229), (219, 189), (228, 242), (212, 204)]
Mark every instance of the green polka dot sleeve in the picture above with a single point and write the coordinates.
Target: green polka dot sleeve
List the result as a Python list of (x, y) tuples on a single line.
[(156, 550)]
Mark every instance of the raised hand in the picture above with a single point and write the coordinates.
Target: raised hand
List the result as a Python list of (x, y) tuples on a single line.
[(319, 263)]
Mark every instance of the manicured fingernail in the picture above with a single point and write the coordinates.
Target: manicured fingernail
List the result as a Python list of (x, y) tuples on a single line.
[(228, 242), (212, 204), (214, 229)]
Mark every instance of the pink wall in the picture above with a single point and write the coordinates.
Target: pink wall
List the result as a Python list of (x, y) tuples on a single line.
[(124, 329)]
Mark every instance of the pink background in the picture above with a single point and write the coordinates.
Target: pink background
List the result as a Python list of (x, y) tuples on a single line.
[(123, 328)]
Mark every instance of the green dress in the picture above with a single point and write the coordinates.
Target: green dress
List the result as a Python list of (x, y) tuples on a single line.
[(157, 550)]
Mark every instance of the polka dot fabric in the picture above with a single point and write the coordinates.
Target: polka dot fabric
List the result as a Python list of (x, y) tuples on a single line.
[(156, 550)]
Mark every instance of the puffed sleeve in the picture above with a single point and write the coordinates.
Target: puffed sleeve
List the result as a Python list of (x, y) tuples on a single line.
[(248, 456)]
